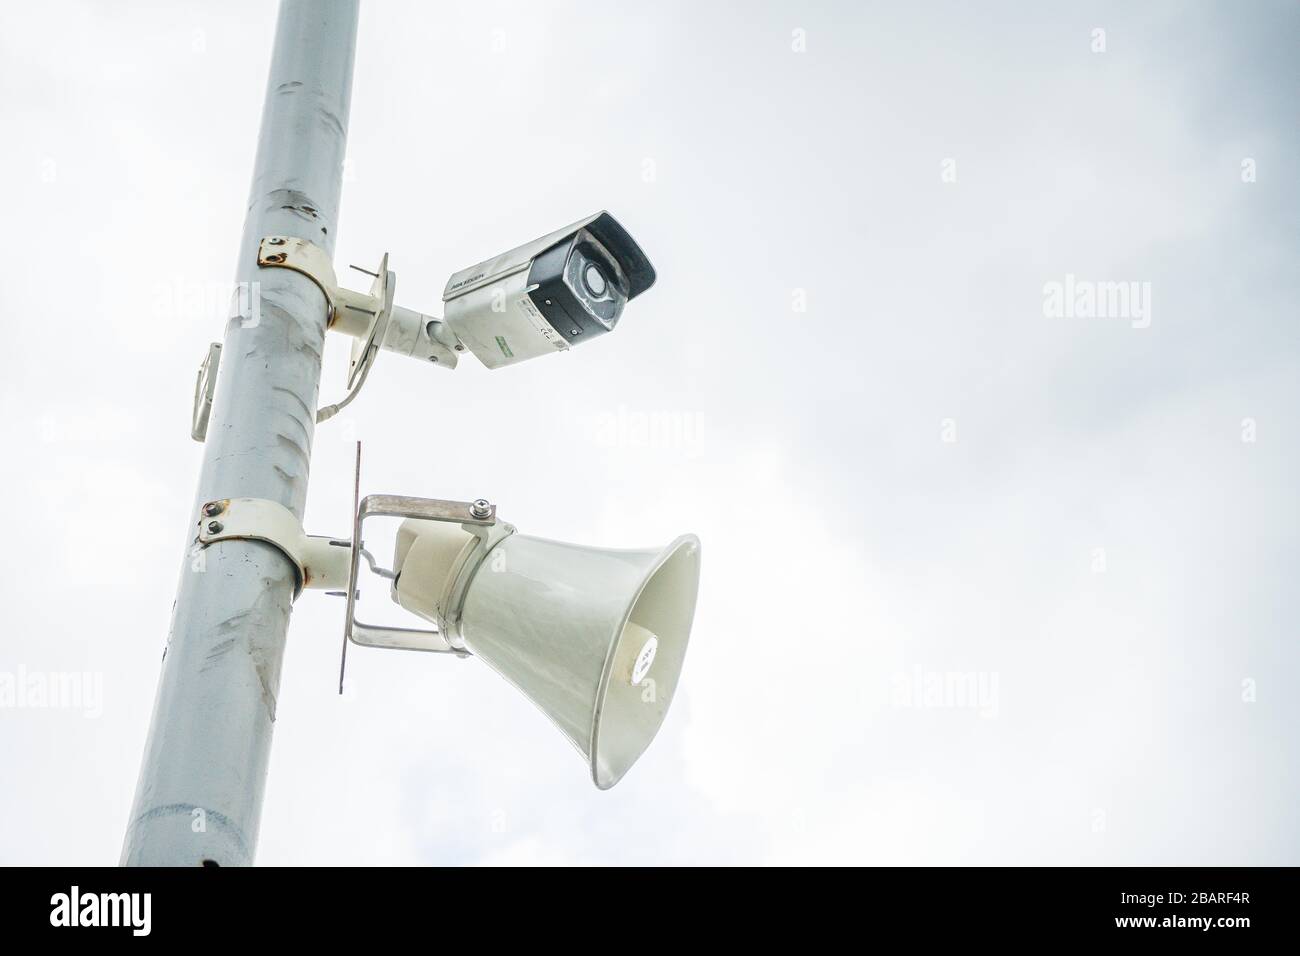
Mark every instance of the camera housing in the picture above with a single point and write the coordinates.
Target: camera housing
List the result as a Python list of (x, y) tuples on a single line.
[(545, 296)]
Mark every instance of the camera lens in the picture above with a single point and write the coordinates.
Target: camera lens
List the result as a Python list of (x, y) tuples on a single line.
[(594, 280)]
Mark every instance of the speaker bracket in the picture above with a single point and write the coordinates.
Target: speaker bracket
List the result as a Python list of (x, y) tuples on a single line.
[(487, 529), (477, 517), (333, 564)]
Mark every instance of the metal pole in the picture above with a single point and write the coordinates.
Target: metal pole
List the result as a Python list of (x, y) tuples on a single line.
[(199, 798)]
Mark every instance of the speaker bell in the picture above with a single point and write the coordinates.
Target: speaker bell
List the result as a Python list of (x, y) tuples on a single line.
[(595, 637)]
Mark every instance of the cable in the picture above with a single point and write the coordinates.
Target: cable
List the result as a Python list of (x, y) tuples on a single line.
[(329, 411), (375, 568)]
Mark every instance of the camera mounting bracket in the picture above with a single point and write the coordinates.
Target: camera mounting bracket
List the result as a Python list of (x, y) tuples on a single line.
[(372, 319), (364, 316)]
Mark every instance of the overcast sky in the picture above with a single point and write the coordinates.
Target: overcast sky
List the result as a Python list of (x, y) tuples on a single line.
[(913, 474)]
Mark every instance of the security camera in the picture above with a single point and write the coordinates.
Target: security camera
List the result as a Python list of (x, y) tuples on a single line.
[(554, 292), (543, 297)]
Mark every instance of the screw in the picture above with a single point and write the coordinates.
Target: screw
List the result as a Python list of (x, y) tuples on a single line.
[(433, 358), (481, 508), (214, 527), (277, 241), (212, 508), (460, 348)]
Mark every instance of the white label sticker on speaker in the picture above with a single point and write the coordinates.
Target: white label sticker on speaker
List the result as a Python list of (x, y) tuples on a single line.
[(644, 659)]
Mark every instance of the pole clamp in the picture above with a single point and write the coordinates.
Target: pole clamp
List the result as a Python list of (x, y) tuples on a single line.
[(302, 255), (321, 562), (363, 315)]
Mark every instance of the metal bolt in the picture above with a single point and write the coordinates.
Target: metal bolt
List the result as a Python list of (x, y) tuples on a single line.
[(433, 358), (276, 241), (214, 527), (460, 348), (481, 508), (212, 508)]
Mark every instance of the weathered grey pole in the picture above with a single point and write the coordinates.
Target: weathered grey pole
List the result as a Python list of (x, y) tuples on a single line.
[(199, 798)]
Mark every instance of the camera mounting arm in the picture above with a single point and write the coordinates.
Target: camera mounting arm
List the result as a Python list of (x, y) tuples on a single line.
[(371, 319)]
